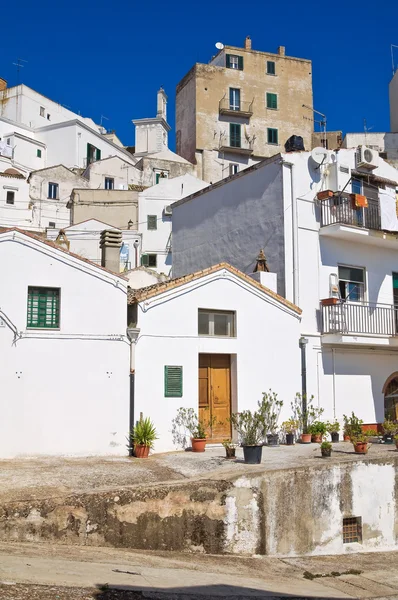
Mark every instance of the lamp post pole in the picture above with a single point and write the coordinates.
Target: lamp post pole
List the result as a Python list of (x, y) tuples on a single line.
[(302, 343)]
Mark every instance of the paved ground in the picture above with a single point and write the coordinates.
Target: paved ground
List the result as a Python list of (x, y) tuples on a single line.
[(35, 478), (69, 573)]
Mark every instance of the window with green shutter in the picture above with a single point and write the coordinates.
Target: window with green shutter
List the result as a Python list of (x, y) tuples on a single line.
[(172, 382), (234, 135), (272, 101), (97, 154), (234, 62), (43, 307), (272, 135), (270, 67), (152, 222)]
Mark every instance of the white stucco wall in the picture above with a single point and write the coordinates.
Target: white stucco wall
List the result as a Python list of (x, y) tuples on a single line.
[(18, 214), (65, 391), (123, 173), (168, 335)]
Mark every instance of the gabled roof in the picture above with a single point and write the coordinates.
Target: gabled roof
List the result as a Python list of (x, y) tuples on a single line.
[(96, 221), (75, 175), (159, 288), (171, 188), (55, 246)]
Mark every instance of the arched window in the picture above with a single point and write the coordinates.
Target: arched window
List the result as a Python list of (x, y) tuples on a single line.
[(390, 390)]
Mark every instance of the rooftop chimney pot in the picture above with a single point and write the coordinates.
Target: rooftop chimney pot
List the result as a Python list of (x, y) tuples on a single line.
[(110, 243), (3, 84), (281, 50), (248, 43)]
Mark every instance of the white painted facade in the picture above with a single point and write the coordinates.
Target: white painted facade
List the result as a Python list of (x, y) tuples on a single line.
[(84, 239), (168, 335), (155, 216), (112, 171), (14, 201), (274, 206), (65, 391), (382, 142), (393, 93)]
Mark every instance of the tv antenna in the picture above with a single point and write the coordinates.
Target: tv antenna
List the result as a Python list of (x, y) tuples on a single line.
[(321, 122), (102, 117), (19, 66), (392, 58), (219, 45)]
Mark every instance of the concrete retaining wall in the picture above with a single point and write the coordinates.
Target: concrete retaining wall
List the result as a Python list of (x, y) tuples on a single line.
[(287, 512)]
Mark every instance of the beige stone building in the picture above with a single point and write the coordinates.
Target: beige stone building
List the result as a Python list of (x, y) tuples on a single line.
[(117, 208), (331, 140), (241, 107)]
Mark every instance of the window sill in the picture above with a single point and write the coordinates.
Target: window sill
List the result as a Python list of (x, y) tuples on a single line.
[(43, 329), (269, 108), (218, 337), (271, 74), (272, 144)]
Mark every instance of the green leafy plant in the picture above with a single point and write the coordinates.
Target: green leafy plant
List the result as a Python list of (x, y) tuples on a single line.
[(326, 445), (390, 427), (305, 418), (249, 426), (227, 443), (270, 408), (188, 420), (352, 426), (332, 426), (290, 426), (317, 428), (144, 433)]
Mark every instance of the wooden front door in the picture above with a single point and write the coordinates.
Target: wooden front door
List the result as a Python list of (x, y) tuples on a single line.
[(215, 394)]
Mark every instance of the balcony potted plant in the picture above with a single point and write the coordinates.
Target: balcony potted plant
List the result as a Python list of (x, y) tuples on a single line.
[(330, 301), (250, 428), (390, 429), (333, 428), (143, 437), (270, 408), (326, 449), (361, 441), (230, 448), (352, 427), (318, 431), (289, 428), (305, 417), (188, 420)]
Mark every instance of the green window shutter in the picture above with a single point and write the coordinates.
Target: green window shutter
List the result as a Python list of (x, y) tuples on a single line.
[(157, 178), (272, 101), (240, 63), (234, 135), (395, 280), (88, 154), (270, 67), (144, 260), (97, 154), (173, 382), (228, 61), (272, 136), (43, 308), (152, 222)]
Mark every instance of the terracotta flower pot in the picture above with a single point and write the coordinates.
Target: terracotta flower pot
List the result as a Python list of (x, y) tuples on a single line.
[(198, 444), (141, 451), (346, 438), (305, 438), (361, 447), (316, 438)]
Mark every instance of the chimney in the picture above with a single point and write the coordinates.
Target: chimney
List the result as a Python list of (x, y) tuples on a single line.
[(262, 274), (248, 43), (281, 50), (3, 84), (110, 243)]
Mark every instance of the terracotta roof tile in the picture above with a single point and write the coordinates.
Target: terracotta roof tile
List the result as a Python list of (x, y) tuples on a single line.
[(159, 288)]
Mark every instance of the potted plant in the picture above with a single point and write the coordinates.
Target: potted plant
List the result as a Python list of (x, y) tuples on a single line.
[(270, 409), (318, 431), (326, 449), (188, 420), (143, 437), (229, 448), (352, 427), (333, 428), (289, 428), (390, 429), (305, 417), (250, 428), (360, 443)]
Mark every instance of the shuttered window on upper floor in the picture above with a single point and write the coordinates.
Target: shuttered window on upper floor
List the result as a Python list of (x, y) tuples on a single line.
[(232, 61), (173, 381)]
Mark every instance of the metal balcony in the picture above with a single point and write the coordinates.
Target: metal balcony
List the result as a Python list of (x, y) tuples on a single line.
[(237, 146), (359, 318), (243, 109), (341, 209)]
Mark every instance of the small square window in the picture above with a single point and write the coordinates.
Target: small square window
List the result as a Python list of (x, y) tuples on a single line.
[(53, 191), (152, 222), (42, 111), (272, 101), (51, 224), (216, 323), (48, 117), (233, 169), (38, 153), (152, 260), (352, 530), (109, 183), (270, 67), (272, 136), (10, 198), (43, 308)]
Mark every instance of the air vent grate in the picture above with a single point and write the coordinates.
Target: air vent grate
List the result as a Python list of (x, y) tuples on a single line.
[(352, 530)]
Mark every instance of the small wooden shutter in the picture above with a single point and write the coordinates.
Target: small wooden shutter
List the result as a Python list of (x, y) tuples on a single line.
[(240, 63), (152, 222), (234, 135), (272, 100), (88, 154), (97, 154), (144, 260), (172, 382), (228, 61)]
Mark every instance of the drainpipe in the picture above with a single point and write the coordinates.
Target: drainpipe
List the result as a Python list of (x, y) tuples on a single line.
[(334, 383), (302, 343)]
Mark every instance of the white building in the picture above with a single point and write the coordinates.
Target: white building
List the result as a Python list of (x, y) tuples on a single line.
[(154, 216), (14, 199), (341, 244), (393, 93), (385, 143), (113, 173), (211, 341), (65, 354), (84, 240)]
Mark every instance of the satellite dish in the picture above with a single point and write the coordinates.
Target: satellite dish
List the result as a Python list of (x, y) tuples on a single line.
[(319, 155), (219, 45)]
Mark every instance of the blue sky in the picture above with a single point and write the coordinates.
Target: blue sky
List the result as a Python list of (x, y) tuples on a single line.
[(109, 58)]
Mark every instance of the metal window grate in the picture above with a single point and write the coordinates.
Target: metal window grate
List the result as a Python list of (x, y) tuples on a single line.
[(43, 307), (352, 530)]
